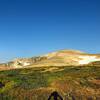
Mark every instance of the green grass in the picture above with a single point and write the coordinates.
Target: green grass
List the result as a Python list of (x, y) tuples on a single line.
[(30, 84)]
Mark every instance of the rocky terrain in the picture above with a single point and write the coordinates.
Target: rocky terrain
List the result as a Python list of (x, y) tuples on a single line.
[(59, 58)]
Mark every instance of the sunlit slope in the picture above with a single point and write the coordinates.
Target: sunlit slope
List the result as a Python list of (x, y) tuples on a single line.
[(58, 58)]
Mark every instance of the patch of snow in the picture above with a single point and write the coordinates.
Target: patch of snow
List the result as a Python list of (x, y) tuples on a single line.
[(26, 64), (88, 59)]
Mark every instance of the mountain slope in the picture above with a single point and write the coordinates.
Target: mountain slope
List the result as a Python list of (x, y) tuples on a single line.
[(59, 71), (58, 58), (72, 83)]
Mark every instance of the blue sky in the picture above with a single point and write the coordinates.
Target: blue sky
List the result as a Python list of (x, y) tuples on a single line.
[(35, 27)]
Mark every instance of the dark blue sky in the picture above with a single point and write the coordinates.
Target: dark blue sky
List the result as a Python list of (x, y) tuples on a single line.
[(34, 27)]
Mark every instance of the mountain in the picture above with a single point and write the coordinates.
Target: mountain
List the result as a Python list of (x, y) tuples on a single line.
[(58, 58), (73, 74)]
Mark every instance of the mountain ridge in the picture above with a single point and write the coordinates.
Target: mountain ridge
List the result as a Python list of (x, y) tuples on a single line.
[(63, 57)]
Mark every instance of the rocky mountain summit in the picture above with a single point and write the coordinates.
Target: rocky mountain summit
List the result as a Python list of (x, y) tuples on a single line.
[(58, 58)]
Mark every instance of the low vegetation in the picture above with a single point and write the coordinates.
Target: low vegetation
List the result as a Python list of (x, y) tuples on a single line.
[(72, 83)]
